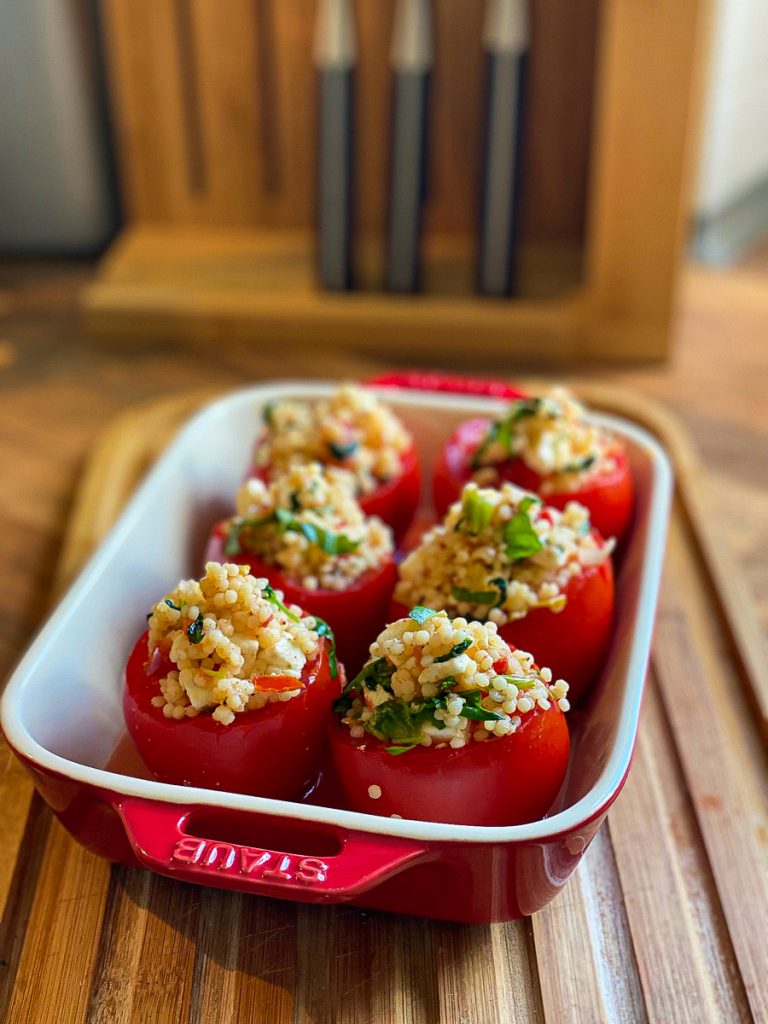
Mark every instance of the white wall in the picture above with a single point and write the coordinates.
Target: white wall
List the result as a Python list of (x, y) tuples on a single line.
[(734, 157), (54, 191)]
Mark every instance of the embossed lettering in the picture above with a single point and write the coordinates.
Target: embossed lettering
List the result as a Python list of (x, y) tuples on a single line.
[(310, 870), (281, 871), (188, 850), (251, 860), (221, 852)]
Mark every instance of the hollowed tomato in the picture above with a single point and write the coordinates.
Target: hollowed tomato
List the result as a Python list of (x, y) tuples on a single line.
[(272, 751), (607, 491), (505, 780)]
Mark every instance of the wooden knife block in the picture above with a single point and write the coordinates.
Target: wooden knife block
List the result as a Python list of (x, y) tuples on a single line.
[(214, 114)]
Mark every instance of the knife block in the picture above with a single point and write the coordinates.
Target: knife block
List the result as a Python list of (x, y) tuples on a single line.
[(214, 116)]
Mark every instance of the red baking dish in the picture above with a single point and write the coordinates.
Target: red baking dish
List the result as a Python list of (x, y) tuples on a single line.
[(61, 711)]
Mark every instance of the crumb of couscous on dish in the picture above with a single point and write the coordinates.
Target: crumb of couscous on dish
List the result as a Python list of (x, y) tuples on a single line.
[(309, 525), (350, 428), (434, 681), (551, 435), (222, 634), (498, 554)]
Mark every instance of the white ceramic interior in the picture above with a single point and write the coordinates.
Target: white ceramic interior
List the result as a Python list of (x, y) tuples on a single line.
[(62, 707)]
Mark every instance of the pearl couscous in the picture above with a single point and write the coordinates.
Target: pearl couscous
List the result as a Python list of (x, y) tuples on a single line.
[(222, 634), (350, 428), (498, 554), (308, 524), (552, 437), (436, 681)]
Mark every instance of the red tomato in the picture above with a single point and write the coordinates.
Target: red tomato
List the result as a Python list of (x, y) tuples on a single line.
[(394, 501), (608, 495), (501, 781), (356, 615), (573, 642), (273, 751)]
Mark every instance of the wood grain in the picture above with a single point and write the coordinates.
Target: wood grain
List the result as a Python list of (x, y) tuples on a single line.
[(683, 848)]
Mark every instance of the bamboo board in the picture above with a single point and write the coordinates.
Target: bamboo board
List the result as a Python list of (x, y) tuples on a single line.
[(665, 919)]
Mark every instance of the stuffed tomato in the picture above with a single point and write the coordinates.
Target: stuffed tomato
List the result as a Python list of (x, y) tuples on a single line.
[(544, 445), (542, 575), (350, 429), (447, 723), (230, 689), (306, 534)]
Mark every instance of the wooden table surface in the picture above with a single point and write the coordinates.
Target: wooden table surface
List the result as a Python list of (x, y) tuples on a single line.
[(59, 391)]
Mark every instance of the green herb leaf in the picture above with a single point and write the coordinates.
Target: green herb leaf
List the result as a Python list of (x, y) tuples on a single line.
[(420, 614), (476, 513), (323, 629), (330, 543), (343, 451), (502, 584), (583, 464), (170, 604), (272, 597), (455, 651), (501, 431), (520, 538), (392, 721), (474, 596), (401, 750), (195, 629), (473, 708), (232, 544), (268, 413)]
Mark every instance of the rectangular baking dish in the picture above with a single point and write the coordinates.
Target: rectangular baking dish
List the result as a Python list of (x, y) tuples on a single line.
[(61, 712)]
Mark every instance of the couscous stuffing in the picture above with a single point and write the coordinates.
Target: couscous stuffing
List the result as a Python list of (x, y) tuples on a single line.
[(436, 681), (309, 525), (552, 437), (498, 554), (223, 634), (350, 428)]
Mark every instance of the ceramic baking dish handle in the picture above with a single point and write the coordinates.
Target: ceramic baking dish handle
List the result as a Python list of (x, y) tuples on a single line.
[(162, 838), (424, 380)]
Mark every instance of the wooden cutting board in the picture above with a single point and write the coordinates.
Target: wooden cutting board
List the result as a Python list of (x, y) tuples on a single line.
[(665, 920)]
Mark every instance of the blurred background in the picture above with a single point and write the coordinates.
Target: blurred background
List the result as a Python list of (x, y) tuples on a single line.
[(192, 152)]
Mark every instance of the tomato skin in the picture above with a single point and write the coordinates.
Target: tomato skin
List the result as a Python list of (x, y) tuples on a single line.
[(478, 784), (273, 751), (356, 615), (573, 643), (395, 501), (609, 495)]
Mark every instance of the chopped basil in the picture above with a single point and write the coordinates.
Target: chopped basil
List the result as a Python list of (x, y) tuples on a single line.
[(473, 708), (455, 651), (520, 538), (330, 543), (521, 682), (170, 604), (374, 674), (476, 513), (343, 451), (149, 616), (400, 750), (420, 614), (501, 430), (195, 629), (323, 629), (272, 597), (474, 596), (232, 544)]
